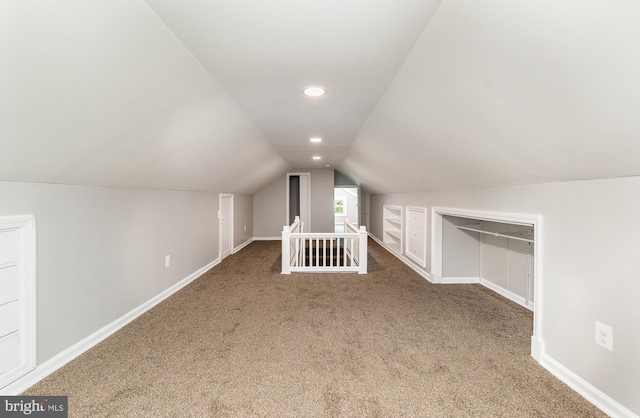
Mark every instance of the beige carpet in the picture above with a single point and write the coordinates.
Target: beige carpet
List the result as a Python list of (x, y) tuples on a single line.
[(246, 341)]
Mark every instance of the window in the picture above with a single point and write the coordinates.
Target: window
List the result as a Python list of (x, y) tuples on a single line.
[(340, 206)]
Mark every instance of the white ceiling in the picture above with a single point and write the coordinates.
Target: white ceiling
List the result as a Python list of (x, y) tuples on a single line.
[(264, 53), (422, 95), (509, 92)]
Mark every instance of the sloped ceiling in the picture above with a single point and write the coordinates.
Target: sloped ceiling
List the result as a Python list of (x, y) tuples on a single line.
[(509, 92), (422, 94), (264, 53), (102, 93)]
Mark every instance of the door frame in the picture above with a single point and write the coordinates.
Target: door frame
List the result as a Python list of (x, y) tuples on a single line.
[(307, 225), (224, 196)]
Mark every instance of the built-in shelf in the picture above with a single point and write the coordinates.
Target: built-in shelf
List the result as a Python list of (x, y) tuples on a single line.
[(395, 234), (511, 235), (392, 228)]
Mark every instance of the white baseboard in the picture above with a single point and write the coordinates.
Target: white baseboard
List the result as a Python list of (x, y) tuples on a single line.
[(460, 280), (575, 382), (267, 238), (43, 370), (506, 293), (537, 348), (489, 285), (402, 258), (244, 244), (589, 392)]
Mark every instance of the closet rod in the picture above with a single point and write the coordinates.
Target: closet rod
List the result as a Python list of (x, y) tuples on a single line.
[(495, 234)]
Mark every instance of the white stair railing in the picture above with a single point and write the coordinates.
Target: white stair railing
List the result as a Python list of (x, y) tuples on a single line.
[(324, 252)]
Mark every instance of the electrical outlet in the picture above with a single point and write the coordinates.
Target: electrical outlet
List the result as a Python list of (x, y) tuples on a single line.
[(167, 261), (245, 228), (604, 336)]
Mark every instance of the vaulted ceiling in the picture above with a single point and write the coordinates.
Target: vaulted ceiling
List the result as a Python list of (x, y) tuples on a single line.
[(421, 94)]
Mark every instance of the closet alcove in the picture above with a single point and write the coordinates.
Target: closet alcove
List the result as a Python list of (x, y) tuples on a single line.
[(501, 251)]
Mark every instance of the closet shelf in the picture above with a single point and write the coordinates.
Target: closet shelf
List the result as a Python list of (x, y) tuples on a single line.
[(393, 228), (510, 235), (394, 234)]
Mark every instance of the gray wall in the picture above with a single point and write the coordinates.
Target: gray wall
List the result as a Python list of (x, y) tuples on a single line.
[(242, 217), (590, 247), (340, 179), (101, 251), (269, 211)]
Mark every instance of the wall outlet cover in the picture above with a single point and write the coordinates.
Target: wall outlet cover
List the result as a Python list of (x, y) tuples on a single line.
[(604, 336)]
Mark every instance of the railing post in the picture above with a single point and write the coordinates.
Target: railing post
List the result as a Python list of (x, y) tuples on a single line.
[(362, 250), (286, 250)]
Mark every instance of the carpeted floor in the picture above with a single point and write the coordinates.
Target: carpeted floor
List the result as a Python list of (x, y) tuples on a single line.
[(245, 341)]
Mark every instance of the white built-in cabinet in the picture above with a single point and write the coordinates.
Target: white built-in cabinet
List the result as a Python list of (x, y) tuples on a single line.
[(416, 241), (498, 254), (17, 297), (392, 227)]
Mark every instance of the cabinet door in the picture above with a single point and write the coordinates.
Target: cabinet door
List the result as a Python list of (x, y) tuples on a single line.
[(416, 240), (17, 297), (9, 352), (9, 312)]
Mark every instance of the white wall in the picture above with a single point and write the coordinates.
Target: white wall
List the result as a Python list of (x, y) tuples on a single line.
[(351, 205), (101, 251), (590, 248), (269, 208)]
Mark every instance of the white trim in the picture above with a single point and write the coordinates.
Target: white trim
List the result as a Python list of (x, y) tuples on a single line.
[(307, 217), (575, 382), (513, 218), (25, 227), (410, 263), (267, 238), (231, 221), (53, 364), (459, 280), (506, 293), (589, 392), (537, 348), (244, 244), (323, 270), (421, 261)]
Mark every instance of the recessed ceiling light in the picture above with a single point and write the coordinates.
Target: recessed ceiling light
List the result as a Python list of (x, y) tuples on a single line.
[(317, 157), (314, 91), (315, 139)]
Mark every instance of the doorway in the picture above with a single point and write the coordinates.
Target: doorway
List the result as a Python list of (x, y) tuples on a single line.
[(299, 199), (225, 218), (346, 205)]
